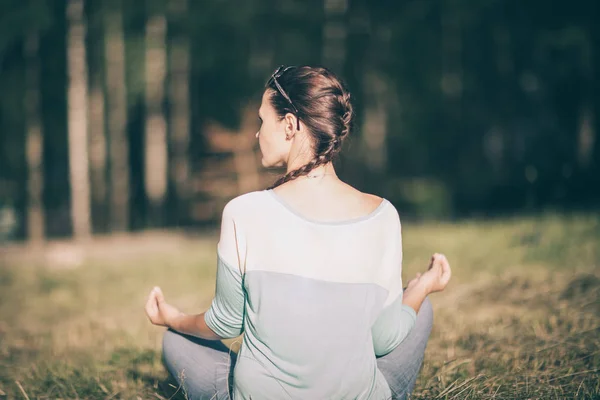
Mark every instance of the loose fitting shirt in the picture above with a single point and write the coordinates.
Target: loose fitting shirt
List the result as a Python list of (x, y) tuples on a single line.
[(316, 301)]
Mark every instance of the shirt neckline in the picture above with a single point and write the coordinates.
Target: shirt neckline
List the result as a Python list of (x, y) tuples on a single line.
[(349, 221)]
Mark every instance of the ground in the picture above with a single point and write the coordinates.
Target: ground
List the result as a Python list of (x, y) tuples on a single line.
[(519, 320)]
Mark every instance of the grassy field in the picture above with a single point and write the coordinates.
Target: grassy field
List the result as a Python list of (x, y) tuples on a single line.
[(519, 320)]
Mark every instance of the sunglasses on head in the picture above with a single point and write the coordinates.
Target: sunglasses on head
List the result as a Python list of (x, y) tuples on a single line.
[(278, 72)]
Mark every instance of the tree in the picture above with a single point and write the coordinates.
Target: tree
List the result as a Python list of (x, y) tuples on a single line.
[(179, 98), (334, 34), (34, 145), (96, 114), (117, 118), (156, 154), (78, 127)]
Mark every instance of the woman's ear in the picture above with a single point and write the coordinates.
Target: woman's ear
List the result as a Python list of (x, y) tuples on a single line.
[(290, 125)]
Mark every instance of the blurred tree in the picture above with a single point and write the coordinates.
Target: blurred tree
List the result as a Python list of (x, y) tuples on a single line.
[(34, 146), (334, 34), (96, 114), (78, 124), (376, 97), (179, 102), (594, 29), (117, 116), (155, 138), (22, 23)]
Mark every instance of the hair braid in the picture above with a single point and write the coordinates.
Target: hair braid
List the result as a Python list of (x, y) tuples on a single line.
[(348, 116), (303, 170)]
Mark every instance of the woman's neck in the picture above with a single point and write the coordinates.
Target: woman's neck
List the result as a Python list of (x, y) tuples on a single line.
[(321, 170)]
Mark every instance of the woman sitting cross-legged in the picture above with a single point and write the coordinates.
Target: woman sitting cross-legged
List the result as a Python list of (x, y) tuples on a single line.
[(308, 270)]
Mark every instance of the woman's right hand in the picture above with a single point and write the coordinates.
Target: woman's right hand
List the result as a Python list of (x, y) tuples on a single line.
[(437, 275)]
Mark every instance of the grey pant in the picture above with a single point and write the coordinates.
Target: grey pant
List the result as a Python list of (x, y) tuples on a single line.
[(203, 368)]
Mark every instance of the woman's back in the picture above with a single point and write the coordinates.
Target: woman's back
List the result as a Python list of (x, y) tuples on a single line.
[(313, 293)]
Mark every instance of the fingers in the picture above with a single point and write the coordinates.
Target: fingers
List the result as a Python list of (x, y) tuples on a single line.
[(439, 260), (446, 271), (444, 268), (151, 300), (160, 298), (431, 262), (436, 259), (151, 306)]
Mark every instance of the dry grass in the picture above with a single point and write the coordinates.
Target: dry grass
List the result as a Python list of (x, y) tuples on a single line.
[(520, 319)]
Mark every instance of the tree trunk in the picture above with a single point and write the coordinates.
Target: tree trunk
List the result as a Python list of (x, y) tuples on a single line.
[(77, 120), (96, 114), (97, 142), (179, 101), (156, 150), (452, 71), (586, 136), (377, 99), (248, 176), (594, 65), (334, 35), (374, 129), (35, 184), (454, 164), (117, 119)]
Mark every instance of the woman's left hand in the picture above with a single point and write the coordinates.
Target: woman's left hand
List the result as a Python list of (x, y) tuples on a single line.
[(158, 311), (435, 278)]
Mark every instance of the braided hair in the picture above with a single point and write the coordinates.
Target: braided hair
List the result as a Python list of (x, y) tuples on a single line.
[(323, 105)]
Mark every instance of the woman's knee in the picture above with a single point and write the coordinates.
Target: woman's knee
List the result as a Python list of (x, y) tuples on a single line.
[(170, 343), (427, 307)]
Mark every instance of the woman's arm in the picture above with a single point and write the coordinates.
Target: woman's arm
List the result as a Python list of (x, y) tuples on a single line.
[(414, 294), (225, 317), (398, 318), (163, 314), (193, 325)]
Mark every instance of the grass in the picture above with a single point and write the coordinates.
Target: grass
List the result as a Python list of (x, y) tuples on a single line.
[(519, 320)]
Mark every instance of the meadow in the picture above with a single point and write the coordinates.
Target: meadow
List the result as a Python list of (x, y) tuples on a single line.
[(519, 320)]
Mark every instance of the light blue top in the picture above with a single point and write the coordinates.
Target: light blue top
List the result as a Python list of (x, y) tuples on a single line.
[(316, 301)]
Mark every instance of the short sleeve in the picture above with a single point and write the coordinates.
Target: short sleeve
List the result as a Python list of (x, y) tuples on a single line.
[(392, 259), (225, 316), (392, 326), (396, 319)]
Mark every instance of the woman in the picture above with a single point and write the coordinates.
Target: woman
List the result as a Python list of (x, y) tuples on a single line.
[(309, 270)]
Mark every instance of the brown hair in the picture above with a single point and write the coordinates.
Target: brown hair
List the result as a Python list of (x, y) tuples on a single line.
[(323, 105)]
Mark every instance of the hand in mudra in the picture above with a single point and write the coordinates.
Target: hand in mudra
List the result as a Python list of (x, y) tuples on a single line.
[(436, 277), (438, 274), (158, 311)]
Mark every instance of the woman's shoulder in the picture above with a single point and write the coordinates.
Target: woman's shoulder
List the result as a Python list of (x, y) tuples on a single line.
[(374, 202), (380, 210), (244, 203), (371, 201)]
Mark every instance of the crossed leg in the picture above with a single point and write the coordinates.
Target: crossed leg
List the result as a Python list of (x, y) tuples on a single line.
[(203, 368), (401, 366)]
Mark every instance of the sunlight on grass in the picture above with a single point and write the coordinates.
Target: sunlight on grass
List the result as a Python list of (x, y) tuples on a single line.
[(520, 319)]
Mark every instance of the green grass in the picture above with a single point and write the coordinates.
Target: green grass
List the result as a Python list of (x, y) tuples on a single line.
[(519, 320)]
